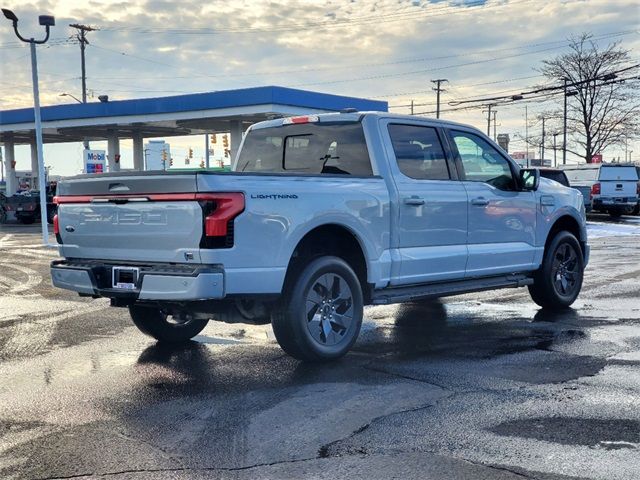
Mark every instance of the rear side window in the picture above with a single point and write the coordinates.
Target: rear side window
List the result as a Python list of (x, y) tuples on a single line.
[(618, 173), (338, 148), (419, 152)]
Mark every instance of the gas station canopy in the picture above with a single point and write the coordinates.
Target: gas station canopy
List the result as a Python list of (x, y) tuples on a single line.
[(189, 114)]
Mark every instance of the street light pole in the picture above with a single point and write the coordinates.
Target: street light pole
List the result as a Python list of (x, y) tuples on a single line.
[(47, 21), (564, 124)]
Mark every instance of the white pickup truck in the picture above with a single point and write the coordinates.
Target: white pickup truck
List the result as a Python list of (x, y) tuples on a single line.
[(611, 188), (320, 216)]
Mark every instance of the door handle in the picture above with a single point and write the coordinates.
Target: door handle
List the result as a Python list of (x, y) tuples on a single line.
[(480, 202), (417, 201)]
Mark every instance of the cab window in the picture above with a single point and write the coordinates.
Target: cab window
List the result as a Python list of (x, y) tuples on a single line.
[(481, 162)]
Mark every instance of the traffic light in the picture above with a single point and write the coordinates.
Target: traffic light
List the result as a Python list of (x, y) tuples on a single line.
[(227, 152), (164, 155), (201, 163), (190, 152), (225, 141), (213, 138), (171, 162), (186, 161)]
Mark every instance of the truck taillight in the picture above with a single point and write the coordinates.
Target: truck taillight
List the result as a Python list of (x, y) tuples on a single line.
[(220, 209), (595, 189), (56, 229)]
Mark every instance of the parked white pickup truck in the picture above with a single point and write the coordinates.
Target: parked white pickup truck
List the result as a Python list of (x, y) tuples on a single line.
[(611, 188), (320, 216)]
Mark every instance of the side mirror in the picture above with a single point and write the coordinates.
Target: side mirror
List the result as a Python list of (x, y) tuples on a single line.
[(529, 179)]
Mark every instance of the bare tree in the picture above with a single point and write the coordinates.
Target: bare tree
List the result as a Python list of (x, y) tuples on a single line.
[(605, 110)]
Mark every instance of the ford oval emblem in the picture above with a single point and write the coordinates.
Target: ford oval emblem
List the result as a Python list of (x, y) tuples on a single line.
[(70, 229)]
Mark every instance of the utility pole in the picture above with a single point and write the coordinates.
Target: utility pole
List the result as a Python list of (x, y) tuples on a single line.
[(542, 144), (564, 124), (526, 132), (82, 38), (206, 150), (489, 106), (495, 112), (555, 160), (437, 89), (411, 107)]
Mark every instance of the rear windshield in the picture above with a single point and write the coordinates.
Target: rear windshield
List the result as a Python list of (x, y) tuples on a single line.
[(557, 176), (618, 173), (312, 148), (582, 174)]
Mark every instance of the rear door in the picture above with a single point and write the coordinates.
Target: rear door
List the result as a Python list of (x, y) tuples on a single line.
[(502, 219), (432, 218)]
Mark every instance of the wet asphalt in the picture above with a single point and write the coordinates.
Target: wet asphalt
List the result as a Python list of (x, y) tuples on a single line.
[(481, 386)]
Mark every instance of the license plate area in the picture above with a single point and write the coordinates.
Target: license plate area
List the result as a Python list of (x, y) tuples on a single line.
[(125, 278)]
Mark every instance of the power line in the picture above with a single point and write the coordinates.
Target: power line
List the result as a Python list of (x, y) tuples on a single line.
[(434, 11), (563, 42), (604, 77)]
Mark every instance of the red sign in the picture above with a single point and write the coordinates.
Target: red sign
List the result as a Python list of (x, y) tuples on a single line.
[(597, 158)]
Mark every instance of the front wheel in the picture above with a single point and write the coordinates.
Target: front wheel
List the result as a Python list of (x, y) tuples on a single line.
[(558, 281), (321, 314), (166, 328)]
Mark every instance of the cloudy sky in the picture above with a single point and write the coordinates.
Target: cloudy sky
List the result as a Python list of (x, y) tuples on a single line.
[(383, 49)]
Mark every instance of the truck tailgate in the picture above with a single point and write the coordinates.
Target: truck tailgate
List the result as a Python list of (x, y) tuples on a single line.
[(130, 218), (618, 188)]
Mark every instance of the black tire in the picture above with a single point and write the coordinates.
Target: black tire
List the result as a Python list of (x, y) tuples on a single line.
[(321, 313), (636, 210), (615, 213), (27, 220), (558, 281), (154, 322), (3, 215)]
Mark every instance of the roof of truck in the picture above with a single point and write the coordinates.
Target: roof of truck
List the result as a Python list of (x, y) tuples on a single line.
[(352, 116)]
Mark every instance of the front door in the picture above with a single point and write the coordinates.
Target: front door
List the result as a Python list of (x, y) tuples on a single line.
[(432, 218), (502, 219)]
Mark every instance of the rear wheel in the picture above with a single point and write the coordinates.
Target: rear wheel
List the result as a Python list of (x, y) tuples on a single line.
[(321, 314), (27, 220), (636, 210), (615, 212), (558, 281), (154, 322)]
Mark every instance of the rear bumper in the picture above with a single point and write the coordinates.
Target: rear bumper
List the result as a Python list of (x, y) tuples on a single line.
[(155, 282), (621, 202)]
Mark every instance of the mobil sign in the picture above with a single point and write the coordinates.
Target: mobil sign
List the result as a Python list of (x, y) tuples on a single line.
[(95, 161)]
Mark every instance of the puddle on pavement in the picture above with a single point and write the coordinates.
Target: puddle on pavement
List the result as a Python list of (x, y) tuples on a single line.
[(609, 434)]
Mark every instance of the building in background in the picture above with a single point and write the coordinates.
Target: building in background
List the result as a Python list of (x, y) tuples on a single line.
[(503, 141), (157, 154)]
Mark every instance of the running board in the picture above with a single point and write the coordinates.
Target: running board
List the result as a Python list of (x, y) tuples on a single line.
[(387, 296)]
